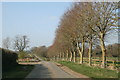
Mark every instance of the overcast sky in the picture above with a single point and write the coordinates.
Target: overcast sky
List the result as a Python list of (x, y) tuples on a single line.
[(37, 20)]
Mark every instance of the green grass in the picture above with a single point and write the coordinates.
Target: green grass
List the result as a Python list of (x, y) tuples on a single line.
[(18, 71), (93, 72)]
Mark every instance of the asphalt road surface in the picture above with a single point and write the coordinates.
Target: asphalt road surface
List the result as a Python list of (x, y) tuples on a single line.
[(48, 70)]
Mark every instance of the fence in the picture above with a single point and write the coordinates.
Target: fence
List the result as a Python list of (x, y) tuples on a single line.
[(111, 62)]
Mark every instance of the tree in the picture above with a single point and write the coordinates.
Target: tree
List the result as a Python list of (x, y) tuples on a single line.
[(40, 51), (21, 43), (106, 20), (85, 23), (6, 43), (66, 30)]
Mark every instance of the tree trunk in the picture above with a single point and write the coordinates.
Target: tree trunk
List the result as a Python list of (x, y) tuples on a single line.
[(90, 52), (74, 56), (82, 51), (54, 58), (81, 58), (63, 56), (60, 56), (67, 56), (71, 56), (79, 51), (103, 50)]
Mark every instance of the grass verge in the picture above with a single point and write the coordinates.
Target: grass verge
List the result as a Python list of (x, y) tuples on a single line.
[(17, 71), (93, 72)]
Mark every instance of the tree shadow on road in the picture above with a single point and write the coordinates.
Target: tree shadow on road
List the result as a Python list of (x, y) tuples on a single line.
[(40, 71)]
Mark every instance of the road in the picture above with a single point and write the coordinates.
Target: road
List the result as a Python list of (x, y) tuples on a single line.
[(48, 70)]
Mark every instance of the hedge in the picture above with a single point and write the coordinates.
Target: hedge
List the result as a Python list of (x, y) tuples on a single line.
[(8, 59)]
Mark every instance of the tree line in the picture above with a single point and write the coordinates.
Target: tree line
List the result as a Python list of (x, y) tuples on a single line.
[(19, 43), (39, 51), (84, 25)]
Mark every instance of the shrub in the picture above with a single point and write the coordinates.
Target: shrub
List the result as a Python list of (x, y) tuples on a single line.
[(21, 55)]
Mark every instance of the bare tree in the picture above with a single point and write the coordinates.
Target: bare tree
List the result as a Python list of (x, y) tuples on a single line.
[(83, 23), (6, 43), (21, 43), (106, 20)]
